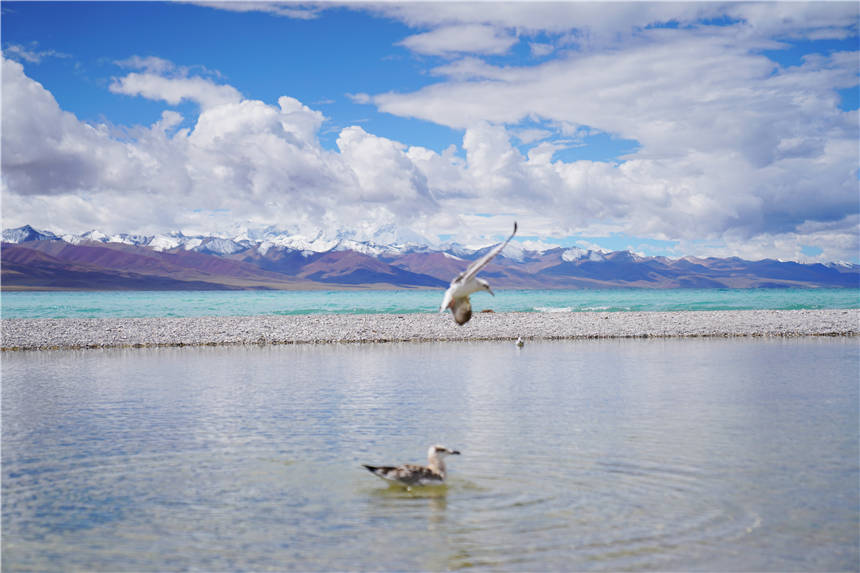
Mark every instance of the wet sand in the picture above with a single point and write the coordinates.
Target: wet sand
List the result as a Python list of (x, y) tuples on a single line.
[(48, 334)]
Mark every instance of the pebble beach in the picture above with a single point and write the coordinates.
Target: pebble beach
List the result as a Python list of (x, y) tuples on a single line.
[(65, 334)]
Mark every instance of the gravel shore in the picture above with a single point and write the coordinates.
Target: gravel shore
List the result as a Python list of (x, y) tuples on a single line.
[(49, 334)]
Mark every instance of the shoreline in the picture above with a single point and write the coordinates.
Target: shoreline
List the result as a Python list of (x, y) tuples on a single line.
[(76, 334)]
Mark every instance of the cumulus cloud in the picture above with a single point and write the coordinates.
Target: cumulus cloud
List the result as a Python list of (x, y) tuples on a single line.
[(736, 154), (384, 171), (732, 146), (45, 149), (244, 162)]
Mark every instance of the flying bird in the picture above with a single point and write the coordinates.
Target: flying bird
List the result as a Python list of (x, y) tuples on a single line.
[(409, 474), (466, 283)]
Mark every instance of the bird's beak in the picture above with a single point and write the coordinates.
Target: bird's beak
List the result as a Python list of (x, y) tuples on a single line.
[(454, 452), (489, 290)]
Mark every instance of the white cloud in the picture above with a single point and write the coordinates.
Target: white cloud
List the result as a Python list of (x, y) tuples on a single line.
[(540, 50), (286, 9), (470, 38), (173, 90), (598, 24), (47, 150), (169, 120), (467, 68), (808, 20), (838, 242), (730, 144), (384, 171), (30, 54), (244, 162), (162, 80), (550, 17), (530, 245), (736, 155), (361, 98), (531, 135), (151, 64)]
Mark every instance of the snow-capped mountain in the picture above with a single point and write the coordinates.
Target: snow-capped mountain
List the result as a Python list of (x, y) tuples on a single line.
[(277, 259), (27, 233), (218, 246), (385, 242)]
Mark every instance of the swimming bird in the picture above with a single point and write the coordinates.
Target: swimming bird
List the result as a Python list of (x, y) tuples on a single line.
[(519, 342), (457, 296), (409, 474)]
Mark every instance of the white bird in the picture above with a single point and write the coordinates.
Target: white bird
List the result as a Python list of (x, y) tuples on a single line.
[(457, 296), (409, 474), (519, 342)]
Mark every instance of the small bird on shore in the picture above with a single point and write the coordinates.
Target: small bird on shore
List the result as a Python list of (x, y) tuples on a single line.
[(519, 342), (457, 296), (408, 474)]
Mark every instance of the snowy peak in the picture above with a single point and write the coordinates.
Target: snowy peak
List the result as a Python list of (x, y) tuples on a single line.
[(576, 254), (27, 233), (166, 242), (306, 246), (321, 243), (218, 246)]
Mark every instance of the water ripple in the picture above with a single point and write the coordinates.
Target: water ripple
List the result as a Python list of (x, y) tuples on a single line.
[(663, 455)]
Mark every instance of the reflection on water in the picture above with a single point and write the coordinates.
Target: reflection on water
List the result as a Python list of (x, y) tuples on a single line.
[(668, 454)]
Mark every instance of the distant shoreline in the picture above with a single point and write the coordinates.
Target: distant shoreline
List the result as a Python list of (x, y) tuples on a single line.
[(68, 334)]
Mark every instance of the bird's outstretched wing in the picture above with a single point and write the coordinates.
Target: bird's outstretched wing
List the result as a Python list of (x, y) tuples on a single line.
[(476, 266)]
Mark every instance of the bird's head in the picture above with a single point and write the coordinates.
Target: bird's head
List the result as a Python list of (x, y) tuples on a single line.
[(485, 286), (438, 451)]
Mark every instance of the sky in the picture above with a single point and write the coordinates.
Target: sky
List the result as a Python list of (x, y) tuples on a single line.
[(671, 129)]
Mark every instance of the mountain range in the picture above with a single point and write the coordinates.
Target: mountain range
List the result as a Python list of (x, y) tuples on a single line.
[(33, 259)]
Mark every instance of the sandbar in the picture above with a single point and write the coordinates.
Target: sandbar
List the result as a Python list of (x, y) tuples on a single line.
[(61, 334)]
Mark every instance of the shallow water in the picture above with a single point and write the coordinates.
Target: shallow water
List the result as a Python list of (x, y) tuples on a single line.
[(135, 304), (581, 455)]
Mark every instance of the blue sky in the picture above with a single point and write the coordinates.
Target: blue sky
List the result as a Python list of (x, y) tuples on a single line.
[(666, 128), (317, 61)]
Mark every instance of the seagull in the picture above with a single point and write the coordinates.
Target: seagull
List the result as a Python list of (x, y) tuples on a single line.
[(519, 342), (409, 474), (466, 283)]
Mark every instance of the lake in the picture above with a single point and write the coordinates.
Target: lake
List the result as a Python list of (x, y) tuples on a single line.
[(134, 304), (668, 454)]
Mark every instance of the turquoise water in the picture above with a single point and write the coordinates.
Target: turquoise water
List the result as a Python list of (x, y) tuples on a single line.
[(132, 304)]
